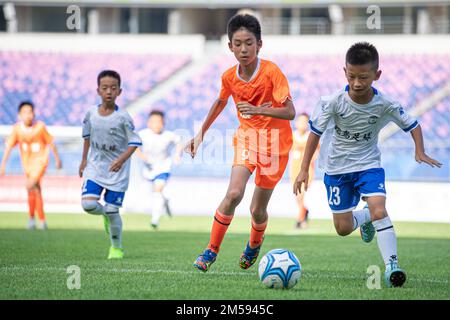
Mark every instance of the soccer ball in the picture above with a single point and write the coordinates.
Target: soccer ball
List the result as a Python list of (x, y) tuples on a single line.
[(279, 269)]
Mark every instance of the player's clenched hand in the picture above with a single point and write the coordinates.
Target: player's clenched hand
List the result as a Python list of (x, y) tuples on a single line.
[(302, 178), (192, 146), (116, 165), (82, 167), (422, 157)]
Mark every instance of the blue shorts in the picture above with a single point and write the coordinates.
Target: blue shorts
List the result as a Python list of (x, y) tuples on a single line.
[(345, 190), (92, 189), (162, 176)]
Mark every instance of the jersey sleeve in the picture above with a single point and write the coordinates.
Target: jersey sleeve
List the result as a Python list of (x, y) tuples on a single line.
[(280, 85), (321, 117), (225, 91), (47, 137), (13, 139), (86, 129), (401, 118), (133, 138)]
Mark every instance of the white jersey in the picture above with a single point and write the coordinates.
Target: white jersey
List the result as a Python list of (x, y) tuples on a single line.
[(350, 130), (110, 136), (157, 148)]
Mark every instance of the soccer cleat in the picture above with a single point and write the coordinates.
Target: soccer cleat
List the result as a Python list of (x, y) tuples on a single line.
[(154, 226), (106, 224), (43, 225), (115, 253), (31, 224), (205, 260), (249, 256), (367, 231), (394, 276)]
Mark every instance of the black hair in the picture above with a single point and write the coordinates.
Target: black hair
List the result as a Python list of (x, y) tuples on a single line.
[(156, 113), (246, 21), (25, 103), (362, 53), (108, 73)]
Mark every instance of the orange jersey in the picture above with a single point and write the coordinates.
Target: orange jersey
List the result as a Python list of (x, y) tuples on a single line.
[(33, 144), (260, 134)]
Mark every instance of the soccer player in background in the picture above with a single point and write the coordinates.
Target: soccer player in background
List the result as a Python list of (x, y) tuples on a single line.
[(157, 145), (34, 143), (300, 137), (110, 140), (261, 143), (350, 121)]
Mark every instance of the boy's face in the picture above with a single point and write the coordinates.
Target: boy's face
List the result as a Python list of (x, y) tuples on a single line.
[(109, 89), (155, 123), (244, 46), (302, 123), (360, 78), (26, 114)]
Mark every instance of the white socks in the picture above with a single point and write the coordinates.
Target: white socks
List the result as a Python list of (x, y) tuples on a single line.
[(115, 225), (387, 241), (157, 207), (360, 217)]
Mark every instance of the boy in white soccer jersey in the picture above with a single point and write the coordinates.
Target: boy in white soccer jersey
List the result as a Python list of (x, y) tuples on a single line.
[(108, 133), (157, 145), (352, 119)]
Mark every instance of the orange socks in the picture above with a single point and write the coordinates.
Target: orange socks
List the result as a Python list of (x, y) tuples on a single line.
[(40, 206), (302, 214), (31, 203), (219, 228), (257, 234)]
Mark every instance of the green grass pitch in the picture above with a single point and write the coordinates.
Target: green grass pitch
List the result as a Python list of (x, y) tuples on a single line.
[(158, 265)]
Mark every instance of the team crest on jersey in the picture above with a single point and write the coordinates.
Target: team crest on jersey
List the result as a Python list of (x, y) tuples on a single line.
[(373, 119)]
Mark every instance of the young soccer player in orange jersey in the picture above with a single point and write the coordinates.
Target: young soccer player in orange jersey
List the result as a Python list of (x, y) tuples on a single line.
[(300, 137), (261, 143), (34, 142)]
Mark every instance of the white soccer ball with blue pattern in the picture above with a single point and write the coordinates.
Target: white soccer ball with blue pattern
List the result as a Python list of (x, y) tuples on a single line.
[(279, 269)]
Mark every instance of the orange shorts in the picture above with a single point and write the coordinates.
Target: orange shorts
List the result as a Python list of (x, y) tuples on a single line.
[(269, 169), (35, 172)]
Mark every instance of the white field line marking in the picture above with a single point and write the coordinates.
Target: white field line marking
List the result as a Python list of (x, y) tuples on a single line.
[(5, 269)]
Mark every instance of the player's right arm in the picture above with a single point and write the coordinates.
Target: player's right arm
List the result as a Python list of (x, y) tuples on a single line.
[(86, 145), (11, 142), (303, 176), (213, 113)]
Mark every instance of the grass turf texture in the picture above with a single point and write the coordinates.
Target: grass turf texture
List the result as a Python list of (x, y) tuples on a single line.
[(158, 265)]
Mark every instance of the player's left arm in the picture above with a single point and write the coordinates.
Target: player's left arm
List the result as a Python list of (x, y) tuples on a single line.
[(421, 156), (286, 112), (58, 162), (117, 164), (134, 141)]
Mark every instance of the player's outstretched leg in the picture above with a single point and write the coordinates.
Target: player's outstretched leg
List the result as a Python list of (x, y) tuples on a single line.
[(387, 242), (219, 228)]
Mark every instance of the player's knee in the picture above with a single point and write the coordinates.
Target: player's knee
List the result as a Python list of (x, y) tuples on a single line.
[(342, 229), (234, 196), (110, 209), (378, 213), (259, 215), (89, 205)]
